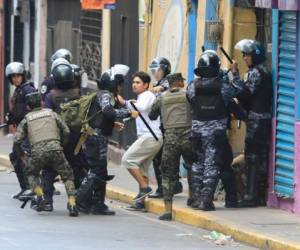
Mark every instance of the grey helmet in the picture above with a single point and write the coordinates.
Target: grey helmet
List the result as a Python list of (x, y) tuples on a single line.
[(62, 53), (15, 68)]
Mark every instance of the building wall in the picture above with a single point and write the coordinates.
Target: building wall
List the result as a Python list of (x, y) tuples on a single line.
[(169, 33)]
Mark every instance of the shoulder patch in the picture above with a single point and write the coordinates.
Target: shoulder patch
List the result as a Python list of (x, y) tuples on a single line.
[(44, 89)]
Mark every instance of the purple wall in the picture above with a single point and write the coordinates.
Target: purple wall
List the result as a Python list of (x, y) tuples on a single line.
[(289, 4), (266, 3)]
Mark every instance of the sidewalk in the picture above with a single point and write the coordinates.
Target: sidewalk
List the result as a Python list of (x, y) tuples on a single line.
[(264, 228)]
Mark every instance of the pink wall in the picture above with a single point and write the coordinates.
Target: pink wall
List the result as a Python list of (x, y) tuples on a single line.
[(292, 205)]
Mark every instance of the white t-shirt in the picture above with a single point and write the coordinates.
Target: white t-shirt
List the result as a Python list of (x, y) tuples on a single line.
[(144, 103)]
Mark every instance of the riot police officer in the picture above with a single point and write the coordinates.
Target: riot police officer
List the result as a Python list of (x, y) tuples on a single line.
[(49, 82), (209, 96), (64, 91), (16, 74), (91, 194), (256, 99)]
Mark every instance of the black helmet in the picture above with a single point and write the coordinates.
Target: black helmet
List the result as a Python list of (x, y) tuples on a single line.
[(62, 53), (113, 77), (160, 63), (253, 48), (208, 64), (63, 75), (33, 100)]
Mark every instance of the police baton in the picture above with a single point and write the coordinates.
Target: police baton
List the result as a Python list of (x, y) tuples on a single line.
[(145, 122), (226, 55)]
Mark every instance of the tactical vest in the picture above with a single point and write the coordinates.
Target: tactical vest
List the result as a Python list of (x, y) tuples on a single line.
[(175, 109), (60, 96), (261, 100), (100, 121), (19, 109), (209, 104), (42, 126)]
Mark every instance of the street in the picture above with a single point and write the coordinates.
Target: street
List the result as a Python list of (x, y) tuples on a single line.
[(25, 229)]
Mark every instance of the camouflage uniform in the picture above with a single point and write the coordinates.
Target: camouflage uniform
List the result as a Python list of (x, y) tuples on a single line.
[(46, 147), (256, 99), (209, 137), (175, 114)]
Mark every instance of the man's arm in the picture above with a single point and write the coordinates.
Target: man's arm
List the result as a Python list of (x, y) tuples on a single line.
[(21, 134), (109, 111), (64, 130), (155, 110)]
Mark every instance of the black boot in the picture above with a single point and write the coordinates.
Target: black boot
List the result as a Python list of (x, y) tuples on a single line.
[(99, 207), (250, 199), (85, 193), (40, 204), (229, 183)]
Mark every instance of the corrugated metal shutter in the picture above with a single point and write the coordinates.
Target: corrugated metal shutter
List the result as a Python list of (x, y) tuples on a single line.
[(284, 174)]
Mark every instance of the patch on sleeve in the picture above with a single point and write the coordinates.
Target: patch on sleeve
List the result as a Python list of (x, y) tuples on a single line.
[(44, 89)]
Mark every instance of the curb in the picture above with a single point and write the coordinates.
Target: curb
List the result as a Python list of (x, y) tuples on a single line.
[(210, 222), (200, 219)]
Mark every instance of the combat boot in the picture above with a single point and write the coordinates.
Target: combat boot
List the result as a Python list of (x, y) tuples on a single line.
[(250, 199), (73, 212), (99, 207), (167, 215), (40, 204)]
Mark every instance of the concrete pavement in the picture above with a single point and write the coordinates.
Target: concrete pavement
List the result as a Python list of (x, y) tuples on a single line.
[(261, 227), (29, 230)]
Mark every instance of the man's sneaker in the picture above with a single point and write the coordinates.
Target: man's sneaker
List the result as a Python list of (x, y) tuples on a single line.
[(137, 206), (144, 192), (158, 193)]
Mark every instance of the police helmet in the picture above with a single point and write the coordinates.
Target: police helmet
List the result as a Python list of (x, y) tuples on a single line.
[(253, 48), (160, 63), (63, 75), (62, 53), (59, 61), (113, 77), (14, 68), (208, 64), (33, 100)]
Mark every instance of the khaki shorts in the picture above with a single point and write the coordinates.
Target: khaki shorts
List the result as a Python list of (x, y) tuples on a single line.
[(141, 153)]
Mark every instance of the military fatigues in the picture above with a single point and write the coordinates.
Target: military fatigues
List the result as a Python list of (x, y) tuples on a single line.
[(53, 100), (19, 110), (256, 99), (209, 98), (46, 132), (175, 113), (91, 193)]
